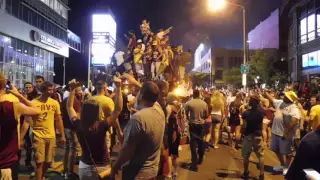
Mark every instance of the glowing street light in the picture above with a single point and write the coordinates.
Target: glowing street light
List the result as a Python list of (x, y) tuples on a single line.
[(219, 4), (215, 5)]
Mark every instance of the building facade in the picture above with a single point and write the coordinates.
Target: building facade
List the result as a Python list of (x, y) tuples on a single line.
[(33, 33), (300, 38), (265, 34), (216, 60)]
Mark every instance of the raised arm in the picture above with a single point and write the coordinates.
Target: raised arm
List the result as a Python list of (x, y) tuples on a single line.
[(112, 119), (71, 112)]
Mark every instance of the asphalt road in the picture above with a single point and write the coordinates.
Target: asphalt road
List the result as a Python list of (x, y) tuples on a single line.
[(223, 163)]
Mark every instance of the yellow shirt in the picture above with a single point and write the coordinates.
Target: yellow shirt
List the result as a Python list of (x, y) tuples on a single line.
[(106, 104), (315, 116), (43, 124), (137, 55), (10, 97)]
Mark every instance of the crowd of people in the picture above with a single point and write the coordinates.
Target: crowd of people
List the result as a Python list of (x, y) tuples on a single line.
[(152, 57), (151, 111), (151, 127)]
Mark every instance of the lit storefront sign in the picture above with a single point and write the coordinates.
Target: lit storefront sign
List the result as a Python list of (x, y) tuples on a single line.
[(36, 36)]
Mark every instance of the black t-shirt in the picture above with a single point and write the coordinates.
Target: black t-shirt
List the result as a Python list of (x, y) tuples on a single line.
[(307, 157), (254, 120), (95, 141), (124, 116)]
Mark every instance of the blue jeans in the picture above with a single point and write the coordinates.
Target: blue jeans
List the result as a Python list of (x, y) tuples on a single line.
[(72, 150)]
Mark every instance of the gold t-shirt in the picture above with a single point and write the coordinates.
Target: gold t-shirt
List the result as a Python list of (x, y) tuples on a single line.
[(43, 124), (315, 116)]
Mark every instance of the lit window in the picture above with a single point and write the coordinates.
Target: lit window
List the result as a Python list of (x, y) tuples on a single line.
[(305, 60), (303, 30), (311, 59), (311, 27)]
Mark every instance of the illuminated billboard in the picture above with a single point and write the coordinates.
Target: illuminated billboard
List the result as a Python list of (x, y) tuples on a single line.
[(104, 31), (104, 23), (102, 53)]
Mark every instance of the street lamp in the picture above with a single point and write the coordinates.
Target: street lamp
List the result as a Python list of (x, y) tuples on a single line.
[(89, 60), (216, 4), (219, 4)]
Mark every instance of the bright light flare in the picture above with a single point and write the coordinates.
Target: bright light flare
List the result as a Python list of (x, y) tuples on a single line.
[(215, 5), (177, 91)]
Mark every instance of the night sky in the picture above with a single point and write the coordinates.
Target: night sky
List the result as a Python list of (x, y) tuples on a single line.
[(191, 20)]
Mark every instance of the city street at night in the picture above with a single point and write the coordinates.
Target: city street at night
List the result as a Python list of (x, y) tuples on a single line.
[(223, 163)]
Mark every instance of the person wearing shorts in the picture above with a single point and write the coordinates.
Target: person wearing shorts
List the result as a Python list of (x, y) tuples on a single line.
[(253, 119), (217, 110), (235, 121), (285, 123), (267, 121), (43, 129)]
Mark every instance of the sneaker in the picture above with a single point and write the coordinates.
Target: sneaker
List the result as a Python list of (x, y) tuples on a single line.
[(216, 146), (285, 170), (245, 175), (261, 177), (174, 174), (193, 168), (278, 169), (32, 175)]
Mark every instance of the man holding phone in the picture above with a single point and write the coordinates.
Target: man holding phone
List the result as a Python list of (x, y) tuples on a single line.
[(8, 96)]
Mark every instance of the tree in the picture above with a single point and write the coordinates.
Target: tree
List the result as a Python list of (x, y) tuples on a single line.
[(200, 79), (232, 77), (259, 66), (270, 71)]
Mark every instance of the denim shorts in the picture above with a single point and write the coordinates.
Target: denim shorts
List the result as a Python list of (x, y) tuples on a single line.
[(282, 146), (216, 119)]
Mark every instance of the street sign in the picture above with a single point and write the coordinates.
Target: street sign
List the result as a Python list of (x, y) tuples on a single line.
[(244, 69)]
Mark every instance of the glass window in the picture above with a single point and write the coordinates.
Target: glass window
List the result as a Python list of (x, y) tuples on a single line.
[(34, 19), (313, 59), (20, 15), (303, 11), (305, 60), (311, 27), (51, 3), (42, 23), (318, 21), (19, 46), (25, 14), (317, 4), (15, 8), (310, 6), (48, 27), (9, 6), (303, 30), (25, 48)]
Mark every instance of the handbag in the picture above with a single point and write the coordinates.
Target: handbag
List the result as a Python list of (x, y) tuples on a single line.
[(102, 175)]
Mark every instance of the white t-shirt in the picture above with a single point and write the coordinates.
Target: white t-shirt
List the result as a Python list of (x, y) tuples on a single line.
[(66, 94), (284, 113), (119, 57)]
